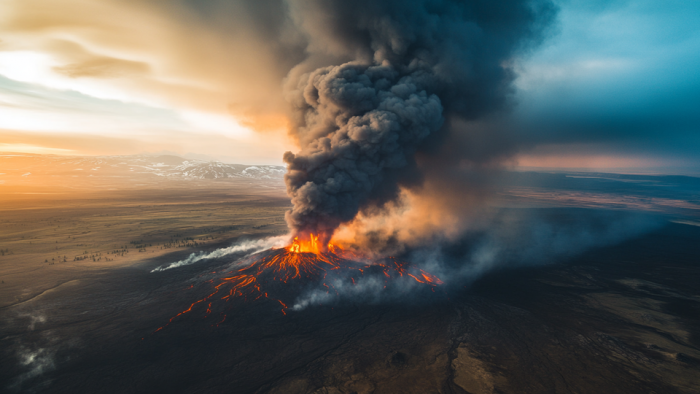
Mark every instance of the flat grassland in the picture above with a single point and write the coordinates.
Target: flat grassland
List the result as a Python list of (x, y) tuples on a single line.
[(47, 239)]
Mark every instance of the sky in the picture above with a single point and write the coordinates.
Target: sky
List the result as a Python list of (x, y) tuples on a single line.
[(612, 85), (616, 82)]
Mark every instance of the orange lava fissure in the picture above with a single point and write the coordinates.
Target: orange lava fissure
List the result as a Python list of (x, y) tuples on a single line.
[(301, 259)]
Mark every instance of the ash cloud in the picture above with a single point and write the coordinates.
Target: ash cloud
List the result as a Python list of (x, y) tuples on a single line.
[(380, 80), (370, 122)]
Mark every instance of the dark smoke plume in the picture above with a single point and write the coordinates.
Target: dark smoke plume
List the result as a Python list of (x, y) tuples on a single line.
[(369, 120), (379, 81)]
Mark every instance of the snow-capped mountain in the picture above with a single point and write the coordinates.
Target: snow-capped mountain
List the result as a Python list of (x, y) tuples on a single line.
[(214, 170), (168, 166)]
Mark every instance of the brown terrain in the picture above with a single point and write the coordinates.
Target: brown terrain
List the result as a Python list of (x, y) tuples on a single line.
[(80, 305)]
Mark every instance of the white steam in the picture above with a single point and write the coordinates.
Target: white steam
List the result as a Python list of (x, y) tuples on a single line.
[(239, 247)]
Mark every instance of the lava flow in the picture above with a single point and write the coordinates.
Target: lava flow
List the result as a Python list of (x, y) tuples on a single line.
[(303, 259)]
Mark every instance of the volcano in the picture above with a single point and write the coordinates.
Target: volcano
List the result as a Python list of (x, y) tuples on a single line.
[(283, 274)]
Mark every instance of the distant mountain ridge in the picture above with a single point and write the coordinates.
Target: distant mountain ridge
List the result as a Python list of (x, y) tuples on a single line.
[(169, 166)]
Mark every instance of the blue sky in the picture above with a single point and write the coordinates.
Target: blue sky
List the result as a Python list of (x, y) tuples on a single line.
[(621, 77)]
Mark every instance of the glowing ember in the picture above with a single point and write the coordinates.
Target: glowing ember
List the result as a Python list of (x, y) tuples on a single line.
[(303, 259)]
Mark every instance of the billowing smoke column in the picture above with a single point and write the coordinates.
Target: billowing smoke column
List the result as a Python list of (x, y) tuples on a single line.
[(397, 70), (370, 121)]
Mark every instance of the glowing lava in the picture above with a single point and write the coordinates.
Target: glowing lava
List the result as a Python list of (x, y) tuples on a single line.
[(304, 259), (306, 246)]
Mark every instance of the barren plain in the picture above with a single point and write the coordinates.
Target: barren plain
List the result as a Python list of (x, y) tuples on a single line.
[(80, 303)]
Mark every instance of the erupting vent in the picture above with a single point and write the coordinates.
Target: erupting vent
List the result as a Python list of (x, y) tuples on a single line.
[(304, 260), (310, 246)]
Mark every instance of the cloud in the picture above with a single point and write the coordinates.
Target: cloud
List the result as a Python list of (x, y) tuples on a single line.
[(614, 73), (210, 58), (616, 78), (102, 67)]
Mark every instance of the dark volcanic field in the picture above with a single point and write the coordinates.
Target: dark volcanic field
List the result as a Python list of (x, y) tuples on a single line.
[(619, 319)]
